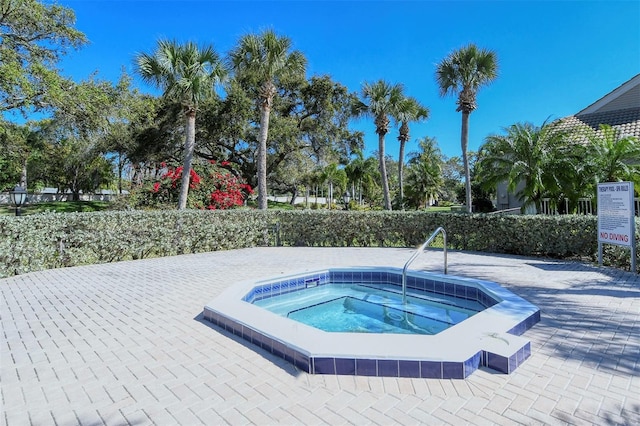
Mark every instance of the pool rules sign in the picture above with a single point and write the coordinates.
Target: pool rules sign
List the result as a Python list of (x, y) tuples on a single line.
[(616, 217)]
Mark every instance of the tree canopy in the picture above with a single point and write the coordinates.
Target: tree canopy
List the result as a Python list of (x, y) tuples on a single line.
[(255, 111), (34, 36)]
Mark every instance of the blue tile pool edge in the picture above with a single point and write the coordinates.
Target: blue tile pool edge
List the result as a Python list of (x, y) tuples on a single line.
[(444, 285), (382, 367), (423, 369)]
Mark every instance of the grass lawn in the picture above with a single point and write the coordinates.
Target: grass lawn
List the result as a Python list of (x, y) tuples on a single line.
[(272, 205), (57, 206), (439, 209)]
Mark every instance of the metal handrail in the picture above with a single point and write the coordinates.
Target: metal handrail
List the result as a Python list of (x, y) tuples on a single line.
[(417, 253)]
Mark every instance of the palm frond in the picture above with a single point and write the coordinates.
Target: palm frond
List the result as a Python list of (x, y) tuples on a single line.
[(184, 72), (464, 71), (266, 57)]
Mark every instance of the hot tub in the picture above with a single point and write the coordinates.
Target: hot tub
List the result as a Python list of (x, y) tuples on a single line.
[(490, 336)]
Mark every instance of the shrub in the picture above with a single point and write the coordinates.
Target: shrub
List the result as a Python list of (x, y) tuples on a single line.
[(567, 236), (51, 240), (211, 186)]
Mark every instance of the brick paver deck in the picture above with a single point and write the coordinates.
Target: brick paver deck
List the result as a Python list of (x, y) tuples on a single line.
[(125, 343)]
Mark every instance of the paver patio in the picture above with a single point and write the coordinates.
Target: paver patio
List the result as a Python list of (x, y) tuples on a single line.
[(125, 343)]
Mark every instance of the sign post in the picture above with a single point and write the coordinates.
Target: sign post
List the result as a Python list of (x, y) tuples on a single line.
[(616, 223)]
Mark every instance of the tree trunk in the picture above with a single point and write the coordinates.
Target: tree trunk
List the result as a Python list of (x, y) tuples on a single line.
[(189, 144), (353, 191), (401, 173), (23, 175), (120, 169), (383, 173), (464, 141), (265, 111), (294, 195), (75, 190)]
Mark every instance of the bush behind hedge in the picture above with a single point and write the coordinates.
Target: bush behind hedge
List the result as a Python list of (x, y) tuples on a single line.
[(53, 240)]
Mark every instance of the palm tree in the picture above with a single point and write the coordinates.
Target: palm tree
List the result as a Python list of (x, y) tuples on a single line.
[(360, 173), (335, 178), (187, 75), (616, 157), (264, 59), (409, 110), (381, 100), (462, 73), (539, 158), (424, 177)]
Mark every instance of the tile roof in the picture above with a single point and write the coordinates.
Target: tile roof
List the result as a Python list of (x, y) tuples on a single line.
[(627, 121), (619, 108)]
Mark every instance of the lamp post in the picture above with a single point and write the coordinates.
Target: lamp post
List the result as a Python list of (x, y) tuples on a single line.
[(18, 197), (346, 197)]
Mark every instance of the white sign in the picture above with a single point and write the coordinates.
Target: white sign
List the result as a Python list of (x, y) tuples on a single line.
[(616, 213)]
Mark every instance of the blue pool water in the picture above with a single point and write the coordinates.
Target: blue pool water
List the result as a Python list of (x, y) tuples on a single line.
[(361, 308)]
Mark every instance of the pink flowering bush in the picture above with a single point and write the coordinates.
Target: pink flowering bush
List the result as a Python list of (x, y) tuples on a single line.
[(211, 186)]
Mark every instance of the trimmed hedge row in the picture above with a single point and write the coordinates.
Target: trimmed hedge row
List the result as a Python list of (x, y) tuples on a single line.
[(557, 236), (52, 240)]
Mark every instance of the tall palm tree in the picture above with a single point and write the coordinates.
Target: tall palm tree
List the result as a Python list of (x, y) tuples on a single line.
[(409, 110), (381, 100), (462, 73), (264, 59), (187, 74)]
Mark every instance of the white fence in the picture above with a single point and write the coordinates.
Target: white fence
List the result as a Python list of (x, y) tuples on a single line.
[(585, 206), (515, 210), (47, 197)]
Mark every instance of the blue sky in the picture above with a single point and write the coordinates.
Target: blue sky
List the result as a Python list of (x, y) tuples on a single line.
[(555, 57)]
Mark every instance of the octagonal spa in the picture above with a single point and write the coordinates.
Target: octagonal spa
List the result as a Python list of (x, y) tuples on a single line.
[(353, 321)]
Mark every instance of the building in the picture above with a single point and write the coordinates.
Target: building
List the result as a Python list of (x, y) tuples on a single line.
[(619, 108)]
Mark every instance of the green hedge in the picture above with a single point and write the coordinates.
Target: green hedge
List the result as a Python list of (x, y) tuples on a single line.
[(557, 236), (52, 240)]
